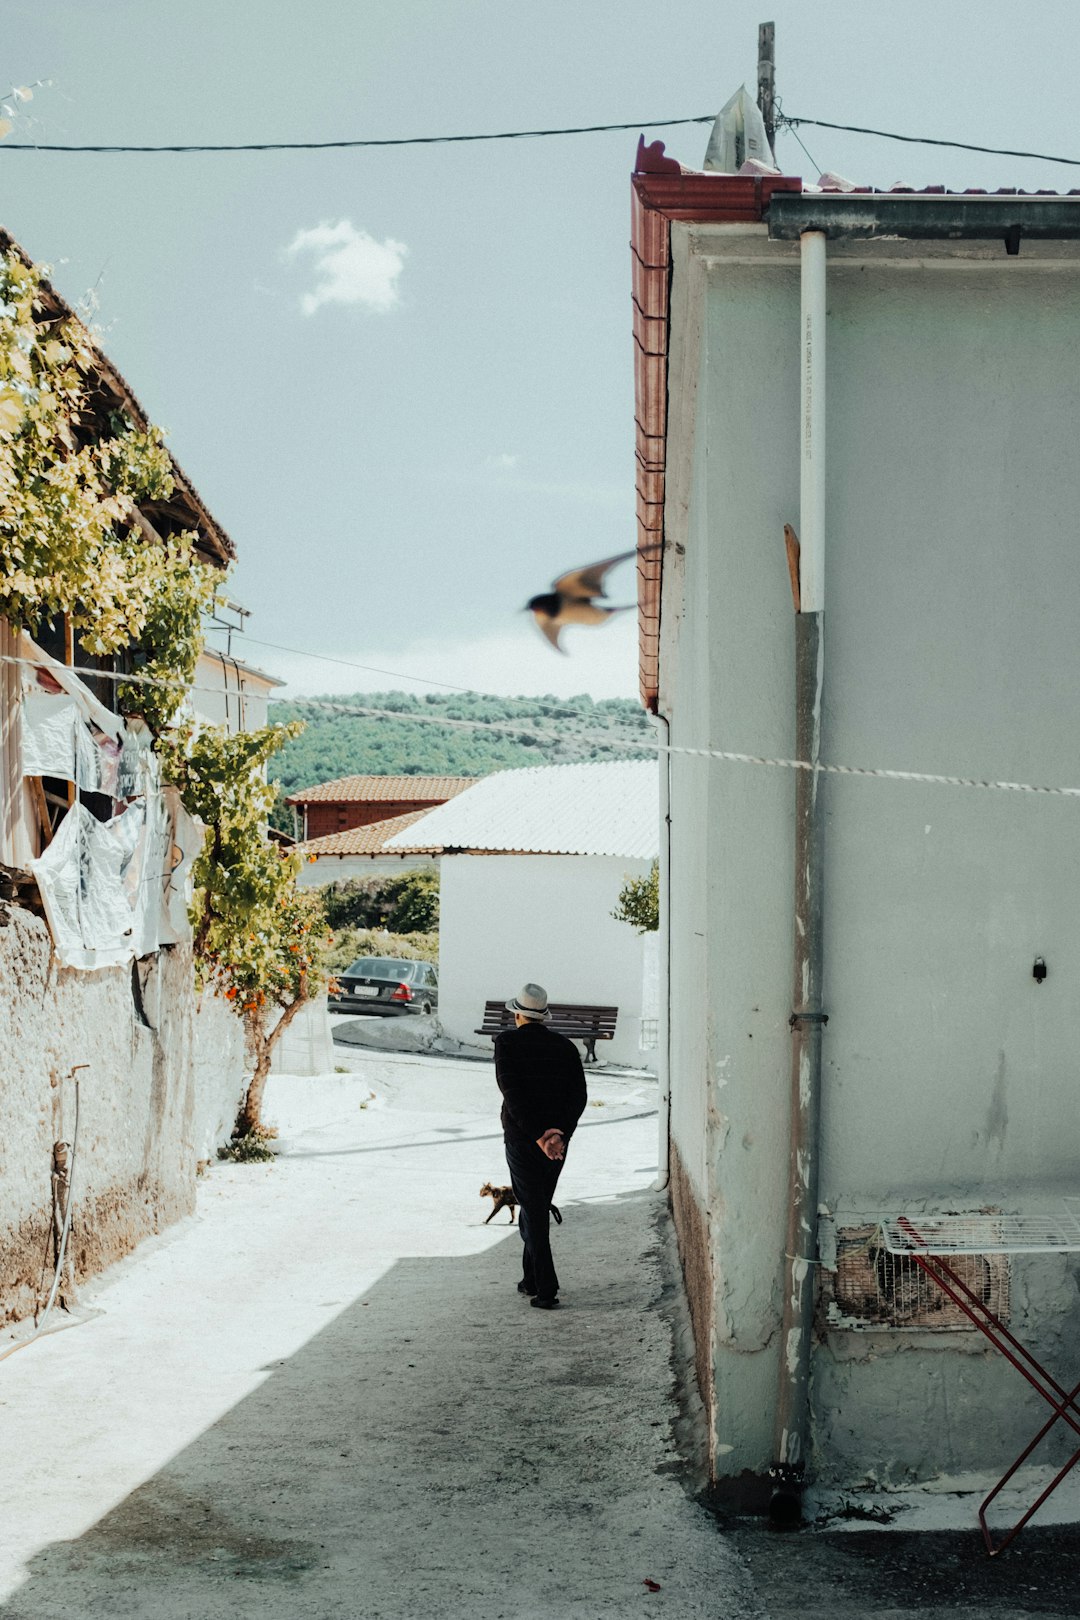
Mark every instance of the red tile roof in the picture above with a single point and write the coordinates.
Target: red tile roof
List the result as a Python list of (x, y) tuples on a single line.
[(383, 789), (367, 840)]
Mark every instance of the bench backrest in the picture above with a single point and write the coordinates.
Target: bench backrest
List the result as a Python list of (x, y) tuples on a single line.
[(567, 1018)]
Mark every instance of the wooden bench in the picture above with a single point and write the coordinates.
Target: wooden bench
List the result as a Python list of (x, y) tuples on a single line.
[(583, 1023)]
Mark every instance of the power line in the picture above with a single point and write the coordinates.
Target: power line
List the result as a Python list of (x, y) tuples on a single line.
[(790, 119), (401, 140), (347, 663)]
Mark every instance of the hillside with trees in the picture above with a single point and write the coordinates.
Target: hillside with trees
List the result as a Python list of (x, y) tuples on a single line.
[(410, 738)]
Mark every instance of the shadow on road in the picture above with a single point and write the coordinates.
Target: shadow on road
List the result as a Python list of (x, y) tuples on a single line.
[(439, 1449)]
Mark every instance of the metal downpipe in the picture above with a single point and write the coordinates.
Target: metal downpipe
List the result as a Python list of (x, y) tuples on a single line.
[(663, 1172), (808, 1016)]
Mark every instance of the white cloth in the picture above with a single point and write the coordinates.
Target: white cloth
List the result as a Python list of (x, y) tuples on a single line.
[(111, 889)]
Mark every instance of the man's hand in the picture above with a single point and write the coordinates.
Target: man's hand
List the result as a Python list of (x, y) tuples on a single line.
[(552, 1144)]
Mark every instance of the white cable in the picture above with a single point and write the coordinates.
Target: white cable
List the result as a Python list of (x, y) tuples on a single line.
[(647, 746)]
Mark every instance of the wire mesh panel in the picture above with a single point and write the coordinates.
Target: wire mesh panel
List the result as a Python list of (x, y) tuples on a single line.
[(872, 1288), (985, 1232)]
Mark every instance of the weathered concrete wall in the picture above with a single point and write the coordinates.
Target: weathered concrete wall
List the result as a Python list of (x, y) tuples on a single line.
[(952, 598), (727, 676), (142, 1126), (221, 1062), (693, 1235)]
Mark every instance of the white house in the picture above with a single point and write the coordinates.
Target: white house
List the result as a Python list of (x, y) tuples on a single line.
[(230, 693), (362, 852), (929, 471), (532, 866)]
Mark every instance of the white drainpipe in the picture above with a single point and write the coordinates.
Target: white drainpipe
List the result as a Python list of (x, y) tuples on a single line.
[(808, 1016), (812, 426), (664, 955)]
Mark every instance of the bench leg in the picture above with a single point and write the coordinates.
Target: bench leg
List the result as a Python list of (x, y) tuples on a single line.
[(589, 1042)]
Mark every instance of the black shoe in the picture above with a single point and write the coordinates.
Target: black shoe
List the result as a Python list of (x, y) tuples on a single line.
[(542, 1304), (523, 1287)]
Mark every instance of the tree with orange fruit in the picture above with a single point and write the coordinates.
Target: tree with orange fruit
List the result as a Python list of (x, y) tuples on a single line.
[(260, 942)]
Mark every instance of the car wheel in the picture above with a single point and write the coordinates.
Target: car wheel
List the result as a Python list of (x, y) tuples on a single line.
[(426, 1009)]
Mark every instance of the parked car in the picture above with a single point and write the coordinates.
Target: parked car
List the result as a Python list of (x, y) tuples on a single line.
[(386, 985)]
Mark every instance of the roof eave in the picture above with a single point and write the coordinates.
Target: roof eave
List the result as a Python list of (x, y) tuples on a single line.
[(184, 509), (662, 191)]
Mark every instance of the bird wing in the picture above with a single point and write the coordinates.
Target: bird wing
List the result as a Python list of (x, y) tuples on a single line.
[(551, 628), (581, 584)]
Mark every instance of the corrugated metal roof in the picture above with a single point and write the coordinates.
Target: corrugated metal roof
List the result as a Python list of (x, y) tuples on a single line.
[(369, 840), (610, 809), (379, 789)]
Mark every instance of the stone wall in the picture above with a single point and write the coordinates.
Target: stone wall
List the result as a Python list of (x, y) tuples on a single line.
[(144, 1118)]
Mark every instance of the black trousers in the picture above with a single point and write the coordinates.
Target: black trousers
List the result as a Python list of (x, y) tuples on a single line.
[(534, 1177)]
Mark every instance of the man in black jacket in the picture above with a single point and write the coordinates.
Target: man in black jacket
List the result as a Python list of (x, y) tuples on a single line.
[(543, 1086)]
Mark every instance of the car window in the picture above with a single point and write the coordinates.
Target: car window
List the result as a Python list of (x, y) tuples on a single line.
[(379, 967)]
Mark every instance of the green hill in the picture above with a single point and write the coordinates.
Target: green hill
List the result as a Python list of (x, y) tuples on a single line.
[(540, 731)]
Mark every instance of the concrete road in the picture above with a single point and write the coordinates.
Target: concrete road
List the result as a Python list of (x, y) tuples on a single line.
[(323, 1396), (322, 1399)]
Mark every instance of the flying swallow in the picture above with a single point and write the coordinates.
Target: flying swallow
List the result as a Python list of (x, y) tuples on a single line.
[(571, 599)]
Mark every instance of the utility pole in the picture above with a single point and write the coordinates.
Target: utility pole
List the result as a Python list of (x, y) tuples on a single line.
[(766, 45)]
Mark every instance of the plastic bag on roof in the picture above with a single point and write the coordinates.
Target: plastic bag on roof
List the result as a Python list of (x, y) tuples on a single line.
[(738, 134)]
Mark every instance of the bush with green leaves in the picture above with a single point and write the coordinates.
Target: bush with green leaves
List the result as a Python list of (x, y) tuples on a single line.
[(639, 902), (71, 541), (406, 903), (349, 943), (260, 942)]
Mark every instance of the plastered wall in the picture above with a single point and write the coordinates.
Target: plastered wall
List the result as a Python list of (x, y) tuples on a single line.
[(951, 605), (160, 1093), (508, 919)]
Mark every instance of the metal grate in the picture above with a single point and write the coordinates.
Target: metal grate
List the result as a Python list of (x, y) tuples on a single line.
[(874, 1288), (987, 1232)]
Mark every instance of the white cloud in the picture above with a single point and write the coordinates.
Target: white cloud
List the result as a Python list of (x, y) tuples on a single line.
[(503, 461), (351, 267)]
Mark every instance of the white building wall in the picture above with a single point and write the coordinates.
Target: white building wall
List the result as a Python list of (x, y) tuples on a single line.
[(951, 606), (228, 693), (327, 869), (505, 920)]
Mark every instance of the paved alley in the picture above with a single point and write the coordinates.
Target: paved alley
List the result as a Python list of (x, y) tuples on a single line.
[(322, 1396), (322, 1399)]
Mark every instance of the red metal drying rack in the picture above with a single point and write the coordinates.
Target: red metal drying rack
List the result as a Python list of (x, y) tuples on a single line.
[(930, 1241)]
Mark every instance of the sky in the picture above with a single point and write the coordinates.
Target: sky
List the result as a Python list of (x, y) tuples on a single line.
[(402, 380)]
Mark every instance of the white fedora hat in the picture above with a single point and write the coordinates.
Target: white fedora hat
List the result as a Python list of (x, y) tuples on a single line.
[(531, 1002)]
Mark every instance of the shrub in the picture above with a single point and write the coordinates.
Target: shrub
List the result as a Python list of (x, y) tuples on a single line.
[(349, 943), (639, 902), (407, 903)]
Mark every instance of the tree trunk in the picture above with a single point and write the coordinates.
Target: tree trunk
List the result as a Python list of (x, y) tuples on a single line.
[(249, 1118)]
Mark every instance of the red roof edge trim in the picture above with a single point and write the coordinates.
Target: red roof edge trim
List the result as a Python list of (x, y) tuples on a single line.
[(662, 191)]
